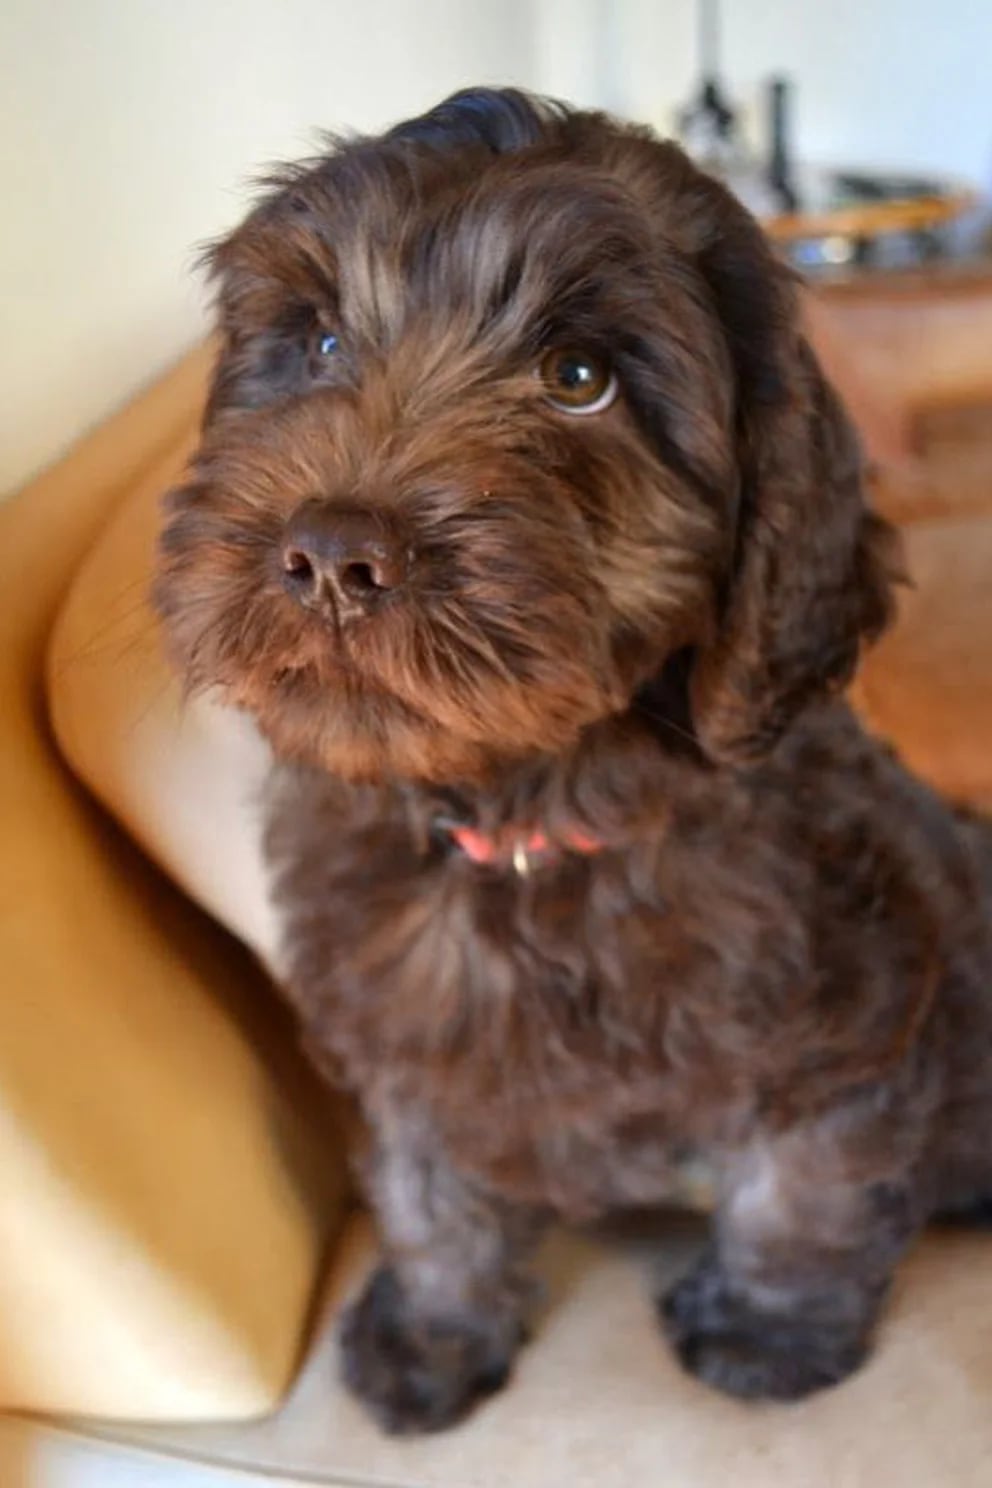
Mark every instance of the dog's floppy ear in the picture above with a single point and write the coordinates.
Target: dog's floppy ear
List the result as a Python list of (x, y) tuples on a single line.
[(812, 567)]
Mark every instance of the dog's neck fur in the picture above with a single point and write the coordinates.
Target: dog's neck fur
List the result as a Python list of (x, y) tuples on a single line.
[(616, 782)]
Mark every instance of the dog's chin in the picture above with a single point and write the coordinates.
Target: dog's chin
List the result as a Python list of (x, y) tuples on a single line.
[(402, 750), (375, 738)]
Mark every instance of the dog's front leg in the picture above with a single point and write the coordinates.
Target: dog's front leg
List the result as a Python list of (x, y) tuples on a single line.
[(440, 1320), (809, 1229)]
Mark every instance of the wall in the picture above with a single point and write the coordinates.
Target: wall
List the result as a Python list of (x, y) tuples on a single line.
[(129, 126)]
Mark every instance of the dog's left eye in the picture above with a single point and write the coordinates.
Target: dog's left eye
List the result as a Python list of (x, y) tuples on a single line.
[(577, 381), (322, 347)]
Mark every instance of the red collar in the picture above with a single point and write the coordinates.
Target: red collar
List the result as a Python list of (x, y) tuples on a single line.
[(522, 849)]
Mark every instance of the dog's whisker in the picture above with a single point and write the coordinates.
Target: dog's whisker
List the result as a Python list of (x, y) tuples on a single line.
[(467, 636)]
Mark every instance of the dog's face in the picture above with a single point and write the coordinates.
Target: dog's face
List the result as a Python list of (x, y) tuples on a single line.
[(508, 403)]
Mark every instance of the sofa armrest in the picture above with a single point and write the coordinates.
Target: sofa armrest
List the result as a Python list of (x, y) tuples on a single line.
[(167, 1181)]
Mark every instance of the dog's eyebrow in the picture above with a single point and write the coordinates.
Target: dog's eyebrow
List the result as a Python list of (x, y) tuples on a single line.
[(535, 251), (303, 271)]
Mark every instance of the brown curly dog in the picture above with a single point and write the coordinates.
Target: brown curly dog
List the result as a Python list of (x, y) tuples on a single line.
[(526, 526)]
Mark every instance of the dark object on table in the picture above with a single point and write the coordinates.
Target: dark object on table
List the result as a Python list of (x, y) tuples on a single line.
[(854, 186), (780, 174)]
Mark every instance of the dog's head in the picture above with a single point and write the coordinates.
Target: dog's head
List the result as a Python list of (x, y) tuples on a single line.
[(512, 406)]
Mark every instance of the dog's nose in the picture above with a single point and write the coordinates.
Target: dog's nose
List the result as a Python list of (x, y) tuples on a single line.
[(344, 559)]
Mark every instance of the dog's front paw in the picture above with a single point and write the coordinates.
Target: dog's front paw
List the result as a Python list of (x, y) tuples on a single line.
[(755, 1355), (417, 1373)]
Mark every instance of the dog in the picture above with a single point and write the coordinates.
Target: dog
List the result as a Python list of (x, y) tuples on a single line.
[(527, 528)]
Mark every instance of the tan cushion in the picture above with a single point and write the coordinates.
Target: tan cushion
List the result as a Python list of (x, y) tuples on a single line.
[(163, 1203)]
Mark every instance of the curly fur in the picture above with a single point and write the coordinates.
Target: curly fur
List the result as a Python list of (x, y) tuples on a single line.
[(636, 626)]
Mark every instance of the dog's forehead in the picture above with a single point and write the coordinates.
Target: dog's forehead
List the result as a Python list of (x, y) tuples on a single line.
[(470, 234)]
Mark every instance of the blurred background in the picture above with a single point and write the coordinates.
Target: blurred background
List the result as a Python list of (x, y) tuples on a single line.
[(132, 127)]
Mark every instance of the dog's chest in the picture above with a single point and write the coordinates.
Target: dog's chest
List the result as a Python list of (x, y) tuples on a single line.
[(557, 1025)]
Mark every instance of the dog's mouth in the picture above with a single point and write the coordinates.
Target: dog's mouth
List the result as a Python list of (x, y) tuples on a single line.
[(426, 683), (339, 688)]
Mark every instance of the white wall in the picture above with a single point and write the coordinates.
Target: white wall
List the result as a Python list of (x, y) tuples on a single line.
[(127, 129)]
